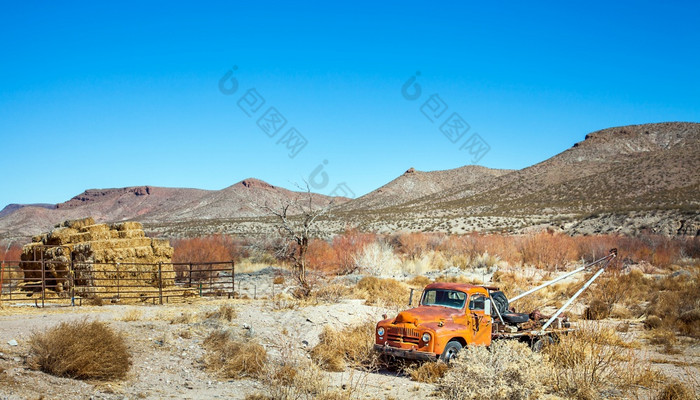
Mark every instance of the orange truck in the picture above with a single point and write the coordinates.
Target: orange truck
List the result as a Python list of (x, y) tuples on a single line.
[(452, 316)]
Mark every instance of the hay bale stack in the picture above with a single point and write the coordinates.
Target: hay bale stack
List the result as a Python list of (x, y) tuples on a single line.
[(95, 250)]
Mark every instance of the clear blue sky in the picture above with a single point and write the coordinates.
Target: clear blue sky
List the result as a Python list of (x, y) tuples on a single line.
[(126, 93)]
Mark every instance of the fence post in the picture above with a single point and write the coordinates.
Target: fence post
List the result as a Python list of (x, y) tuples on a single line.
[(160, 282), (233, 279), (2, 276), (43, 280), (190, 276), (118, 283), (71, 276)]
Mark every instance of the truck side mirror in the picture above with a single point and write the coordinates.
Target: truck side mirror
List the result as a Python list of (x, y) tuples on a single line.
[(487, 307)]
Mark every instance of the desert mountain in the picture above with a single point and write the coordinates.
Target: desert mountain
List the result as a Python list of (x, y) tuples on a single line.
[(414, 184), (640, 168), (155, 205), (625, 179)]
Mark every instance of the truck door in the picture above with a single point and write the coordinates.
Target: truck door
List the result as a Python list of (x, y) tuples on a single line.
[(481, 320)]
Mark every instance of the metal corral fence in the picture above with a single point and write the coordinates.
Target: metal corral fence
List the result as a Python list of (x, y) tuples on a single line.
[(72, 282)]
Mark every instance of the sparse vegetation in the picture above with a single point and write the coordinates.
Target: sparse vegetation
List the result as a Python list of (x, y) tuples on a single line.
[(82, 350), (348, 346), (234, 358), (508, 370)]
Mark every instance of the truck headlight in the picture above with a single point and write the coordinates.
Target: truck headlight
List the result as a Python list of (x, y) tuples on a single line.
[(380, 331), (426, 337)]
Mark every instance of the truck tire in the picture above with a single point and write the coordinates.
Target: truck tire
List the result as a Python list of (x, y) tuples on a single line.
[(500, 301), (540, 343), (450, 351)]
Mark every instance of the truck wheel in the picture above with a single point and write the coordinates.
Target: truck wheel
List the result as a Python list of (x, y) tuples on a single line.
[(540, 343), (450, 351)]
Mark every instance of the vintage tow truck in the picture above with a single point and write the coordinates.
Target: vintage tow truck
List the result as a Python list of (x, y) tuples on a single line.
[(452, 316)]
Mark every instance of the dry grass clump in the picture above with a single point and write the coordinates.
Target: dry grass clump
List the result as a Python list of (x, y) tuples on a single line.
[(185, 317), (225, 312), (508, 370), (676, 301), (429, 372), (234, 358), (382, 292), (81, 350), (676, 391), (419, 281), (330, 292), (297, 380), (591, 360), (353, 346), (132, 315)]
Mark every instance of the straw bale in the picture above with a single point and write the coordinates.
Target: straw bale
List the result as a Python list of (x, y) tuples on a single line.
[(60, 236), (77, 223), (119, 243), (95, 228), (127, 226), (95, 248), (132, 233), (163, 251)]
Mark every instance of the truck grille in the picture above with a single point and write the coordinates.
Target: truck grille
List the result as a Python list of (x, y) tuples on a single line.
[(400, 334)]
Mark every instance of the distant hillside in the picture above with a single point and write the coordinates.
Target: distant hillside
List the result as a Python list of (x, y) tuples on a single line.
[(10, 208), (155, 205), (413, 185), (626, 179)]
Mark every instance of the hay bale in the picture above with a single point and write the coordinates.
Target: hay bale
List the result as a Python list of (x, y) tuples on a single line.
[(60, 236), (127, 226), (95, 228), (77, 223), (95, 249), (131, 233)]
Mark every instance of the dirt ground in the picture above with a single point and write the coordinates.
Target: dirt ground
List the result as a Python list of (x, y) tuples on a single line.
[(167, 346), (167, 361)]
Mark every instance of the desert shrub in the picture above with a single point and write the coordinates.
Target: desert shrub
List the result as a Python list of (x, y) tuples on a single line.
[(347, 246), (278, 280), (663, 337), (82, 350), (508, 370), (234, 358), (225, 312), (429, 372), (10, 252), (377, 258), (676, 301), (597, 309), (211, 248), (652, 322), (676, 391), (419, 281), (331, 292), (353, 346), (590, 360), (185, 317), (386, 292), (132, 315), (297, 380), (548, 249)]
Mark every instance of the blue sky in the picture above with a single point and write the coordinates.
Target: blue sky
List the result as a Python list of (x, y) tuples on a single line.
[(112, 95)]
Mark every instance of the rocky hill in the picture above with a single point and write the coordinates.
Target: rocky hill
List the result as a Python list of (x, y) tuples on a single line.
[(625, 179), (155, 205)]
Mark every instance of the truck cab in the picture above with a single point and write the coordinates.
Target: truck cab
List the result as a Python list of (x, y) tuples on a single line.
[(450, 316)]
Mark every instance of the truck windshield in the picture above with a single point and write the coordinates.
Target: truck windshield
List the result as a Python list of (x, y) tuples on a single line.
[(444, 298)]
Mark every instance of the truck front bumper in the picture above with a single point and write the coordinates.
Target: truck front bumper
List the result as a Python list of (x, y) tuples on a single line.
[(403, 353)]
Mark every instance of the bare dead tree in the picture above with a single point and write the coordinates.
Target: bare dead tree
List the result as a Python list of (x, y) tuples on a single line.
[(297, 223)]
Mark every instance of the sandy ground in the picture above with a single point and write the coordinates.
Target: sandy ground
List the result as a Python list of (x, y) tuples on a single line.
[(167, 346), (167, 360)]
